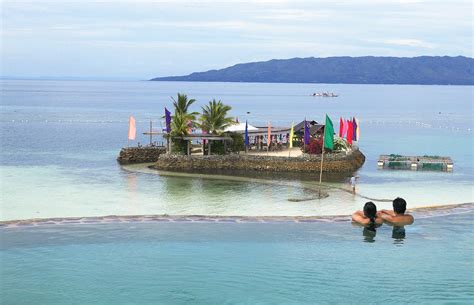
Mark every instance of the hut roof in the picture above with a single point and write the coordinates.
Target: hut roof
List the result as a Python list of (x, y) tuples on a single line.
[(314, 127)]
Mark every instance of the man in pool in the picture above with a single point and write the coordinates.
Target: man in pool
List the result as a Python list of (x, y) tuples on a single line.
[(397, 216)]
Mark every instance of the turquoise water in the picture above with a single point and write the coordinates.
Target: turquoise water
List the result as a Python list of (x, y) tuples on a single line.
[(59, 141), (239, 263)]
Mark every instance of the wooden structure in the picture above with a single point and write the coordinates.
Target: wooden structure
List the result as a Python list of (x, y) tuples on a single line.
[(204, 136), (425, 162)]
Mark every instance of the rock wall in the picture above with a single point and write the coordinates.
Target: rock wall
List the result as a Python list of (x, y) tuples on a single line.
[(336, 163), (131, 155)]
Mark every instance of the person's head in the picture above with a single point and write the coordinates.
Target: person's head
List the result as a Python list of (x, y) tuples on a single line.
[(399, 205), (370, 210)]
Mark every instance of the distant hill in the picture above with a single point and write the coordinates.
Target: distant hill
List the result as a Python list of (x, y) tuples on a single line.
[(423, 70)]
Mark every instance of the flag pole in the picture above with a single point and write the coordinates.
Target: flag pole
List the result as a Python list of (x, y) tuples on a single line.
[(321, 166)]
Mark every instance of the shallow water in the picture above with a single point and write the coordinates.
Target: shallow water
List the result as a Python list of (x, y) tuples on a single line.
[(220, 263), (60, 140)]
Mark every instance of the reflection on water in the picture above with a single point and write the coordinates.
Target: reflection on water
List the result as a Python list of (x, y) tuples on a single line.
[(398, 234), (369, 234)]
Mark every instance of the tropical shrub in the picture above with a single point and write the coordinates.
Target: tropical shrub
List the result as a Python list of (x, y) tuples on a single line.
[(237, 142), (340, 145)]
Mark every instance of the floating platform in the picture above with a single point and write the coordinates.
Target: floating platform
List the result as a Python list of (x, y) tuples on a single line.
[(433, 163)]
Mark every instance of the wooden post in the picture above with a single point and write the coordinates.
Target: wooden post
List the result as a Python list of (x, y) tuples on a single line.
[(209, 150), (321, 168), (188, 152)]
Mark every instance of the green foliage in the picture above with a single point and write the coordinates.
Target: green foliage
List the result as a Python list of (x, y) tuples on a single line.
[(182, 104), (217, 148), (182, 120), (180, 125), (179, 146), (237, 142), (214, 117), (340, 145)]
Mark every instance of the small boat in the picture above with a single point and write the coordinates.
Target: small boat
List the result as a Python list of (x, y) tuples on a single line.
[(325, 94)]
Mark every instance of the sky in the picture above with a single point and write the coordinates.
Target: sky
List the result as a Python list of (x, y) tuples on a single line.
[(139, 39)]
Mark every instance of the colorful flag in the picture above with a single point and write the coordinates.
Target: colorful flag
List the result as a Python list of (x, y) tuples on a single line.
[(132, 128), (345, 126), (246, 140), (350, 131), (292, 134), (354, 129), (168, 120), (269, 139), (328, 134), (341, 127), (306, 133), (358, 129)]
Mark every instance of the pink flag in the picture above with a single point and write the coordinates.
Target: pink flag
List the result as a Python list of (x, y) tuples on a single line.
[(132, 129), (344, 128)]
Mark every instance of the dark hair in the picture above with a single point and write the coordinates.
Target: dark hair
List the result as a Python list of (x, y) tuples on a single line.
[(370, 210), (399, 205)]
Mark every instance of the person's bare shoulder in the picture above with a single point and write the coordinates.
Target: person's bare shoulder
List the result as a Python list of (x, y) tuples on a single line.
[(359, 218), (400, 220)]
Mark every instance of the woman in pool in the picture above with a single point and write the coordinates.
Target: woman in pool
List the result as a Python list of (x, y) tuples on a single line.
[(367, 217)]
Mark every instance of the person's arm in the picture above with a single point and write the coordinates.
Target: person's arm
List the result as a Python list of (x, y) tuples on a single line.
[(398, 220), (360, 218), (388, 212), (386, 216)]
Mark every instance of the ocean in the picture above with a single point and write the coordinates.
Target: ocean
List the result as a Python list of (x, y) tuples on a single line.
[(60, 140)]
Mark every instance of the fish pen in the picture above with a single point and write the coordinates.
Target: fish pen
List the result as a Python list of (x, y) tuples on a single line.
[(426, 162)]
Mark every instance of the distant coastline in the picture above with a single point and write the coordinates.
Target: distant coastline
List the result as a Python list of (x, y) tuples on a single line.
[(423, 70)]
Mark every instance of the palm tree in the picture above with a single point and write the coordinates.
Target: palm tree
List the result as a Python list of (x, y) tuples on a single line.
[(182, 120), (214, 117), (181, 106)]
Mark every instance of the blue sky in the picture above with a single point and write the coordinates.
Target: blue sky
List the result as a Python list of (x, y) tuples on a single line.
[(140, 39)]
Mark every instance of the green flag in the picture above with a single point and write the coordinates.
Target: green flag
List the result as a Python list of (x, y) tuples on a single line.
[(328, 134)]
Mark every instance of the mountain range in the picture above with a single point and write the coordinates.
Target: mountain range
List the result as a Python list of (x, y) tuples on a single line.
[(423, 70)]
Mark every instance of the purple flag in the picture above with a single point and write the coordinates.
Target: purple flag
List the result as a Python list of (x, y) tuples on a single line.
[(306, 133), (354, 128), (168, 120)]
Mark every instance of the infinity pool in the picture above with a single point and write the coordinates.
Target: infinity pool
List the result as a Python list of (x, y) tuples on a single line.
[(239, 263)]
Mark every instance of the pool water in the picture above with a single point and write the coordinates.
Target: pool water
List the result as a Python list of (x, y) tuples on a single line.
[(239, 263)]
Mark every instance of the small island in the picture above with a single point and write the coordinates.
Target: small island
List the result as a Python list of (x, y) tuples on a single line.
[(214, 142)]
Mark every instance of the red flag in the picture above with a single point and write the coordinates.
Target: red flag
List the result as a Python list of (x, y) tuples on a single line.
[(341, 127), (132, 129), (350, 132)]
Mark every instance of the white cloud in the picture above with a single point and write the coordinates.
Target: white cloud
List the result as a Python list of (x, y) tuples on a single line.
[(414, 43)]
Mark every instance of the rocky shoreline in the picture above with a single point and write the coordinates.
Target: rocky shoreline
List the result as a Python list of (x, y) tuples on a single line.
[(333, 163), (133, 155)]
